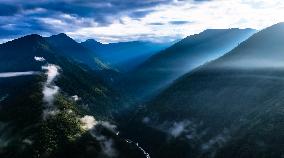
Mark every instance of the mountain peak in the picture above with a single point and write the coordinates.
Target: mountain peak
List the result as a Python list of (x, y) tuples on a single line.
[(32, 38), (91, 41), (61, 36), (61, 39)]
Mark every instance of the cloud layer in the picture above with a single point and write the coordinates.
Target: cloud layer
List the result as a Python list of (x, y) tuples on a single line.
[(16, 74), (115, 20)]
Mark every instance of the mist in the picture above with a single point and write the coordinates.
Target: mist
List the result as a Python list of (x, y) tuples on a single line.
[(88, 122), (178, 128), (50, 90), (51, 72), (16, 74), (39, 58)]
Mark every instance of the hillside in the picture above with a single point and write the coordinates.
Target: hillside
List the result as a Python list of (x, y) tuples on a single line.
[(230, 107), (52, 106), (166, 66), (125, 56), (70, 48)]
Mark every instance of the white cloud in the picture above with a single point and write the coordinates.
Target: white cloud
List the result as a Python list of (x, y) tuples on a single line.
[(256, 14), (107, 147), (178, 128), (107, 144), (217, 141), (16, 74), (39, 58), (52, 72), (49, 90), (47, 113), (75, 97), (28, 141), (108, 126), (88, 122)]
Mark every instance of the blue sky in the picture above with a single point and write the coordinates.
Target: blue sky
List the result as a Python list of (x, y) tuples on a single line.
[(127, 20)]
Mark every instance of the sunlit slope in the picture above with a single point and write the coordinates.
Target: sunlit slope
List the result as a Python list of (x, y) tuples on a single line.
[(163, 68), (231, 107)]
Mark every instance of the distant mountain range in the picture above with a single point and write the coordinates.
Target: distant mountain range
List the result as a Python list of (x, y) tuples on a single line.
[(124, 56), (70, 48), (166, 66), (230, 107)]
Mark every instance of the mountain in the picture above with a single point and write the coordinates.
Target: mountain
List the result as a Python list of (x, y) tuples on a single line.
[(70, 48), (230, 107), (53, 106), (19, 56), (164, 67), (125, 56)]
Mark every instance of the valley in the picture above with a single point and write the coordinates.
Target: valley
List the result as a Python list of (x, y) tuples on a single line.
[(213, 94)]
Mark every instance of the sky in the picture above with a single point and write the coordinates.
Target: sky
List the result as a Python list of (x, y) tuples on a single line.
[(110, 21)]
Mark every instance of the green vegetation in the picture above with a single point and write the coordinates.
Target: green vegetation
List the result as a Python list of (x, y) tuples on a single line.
[(24, 133)]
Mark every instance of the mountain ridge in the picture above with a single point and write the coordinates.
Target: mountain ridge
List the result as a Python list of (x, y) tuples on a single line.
[(74, 50), (220, 111), (166, 66), (121, 55)]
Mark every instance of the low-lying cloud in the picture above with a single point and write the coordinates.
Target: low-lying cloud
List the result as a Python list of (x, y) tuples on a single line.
[(51, 72), (49, 112), (39, 58), (50, 89), (217, 141), (88, 122), (178, 128), (75, 97), (49, 93), (16, 74), (107, 144)]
